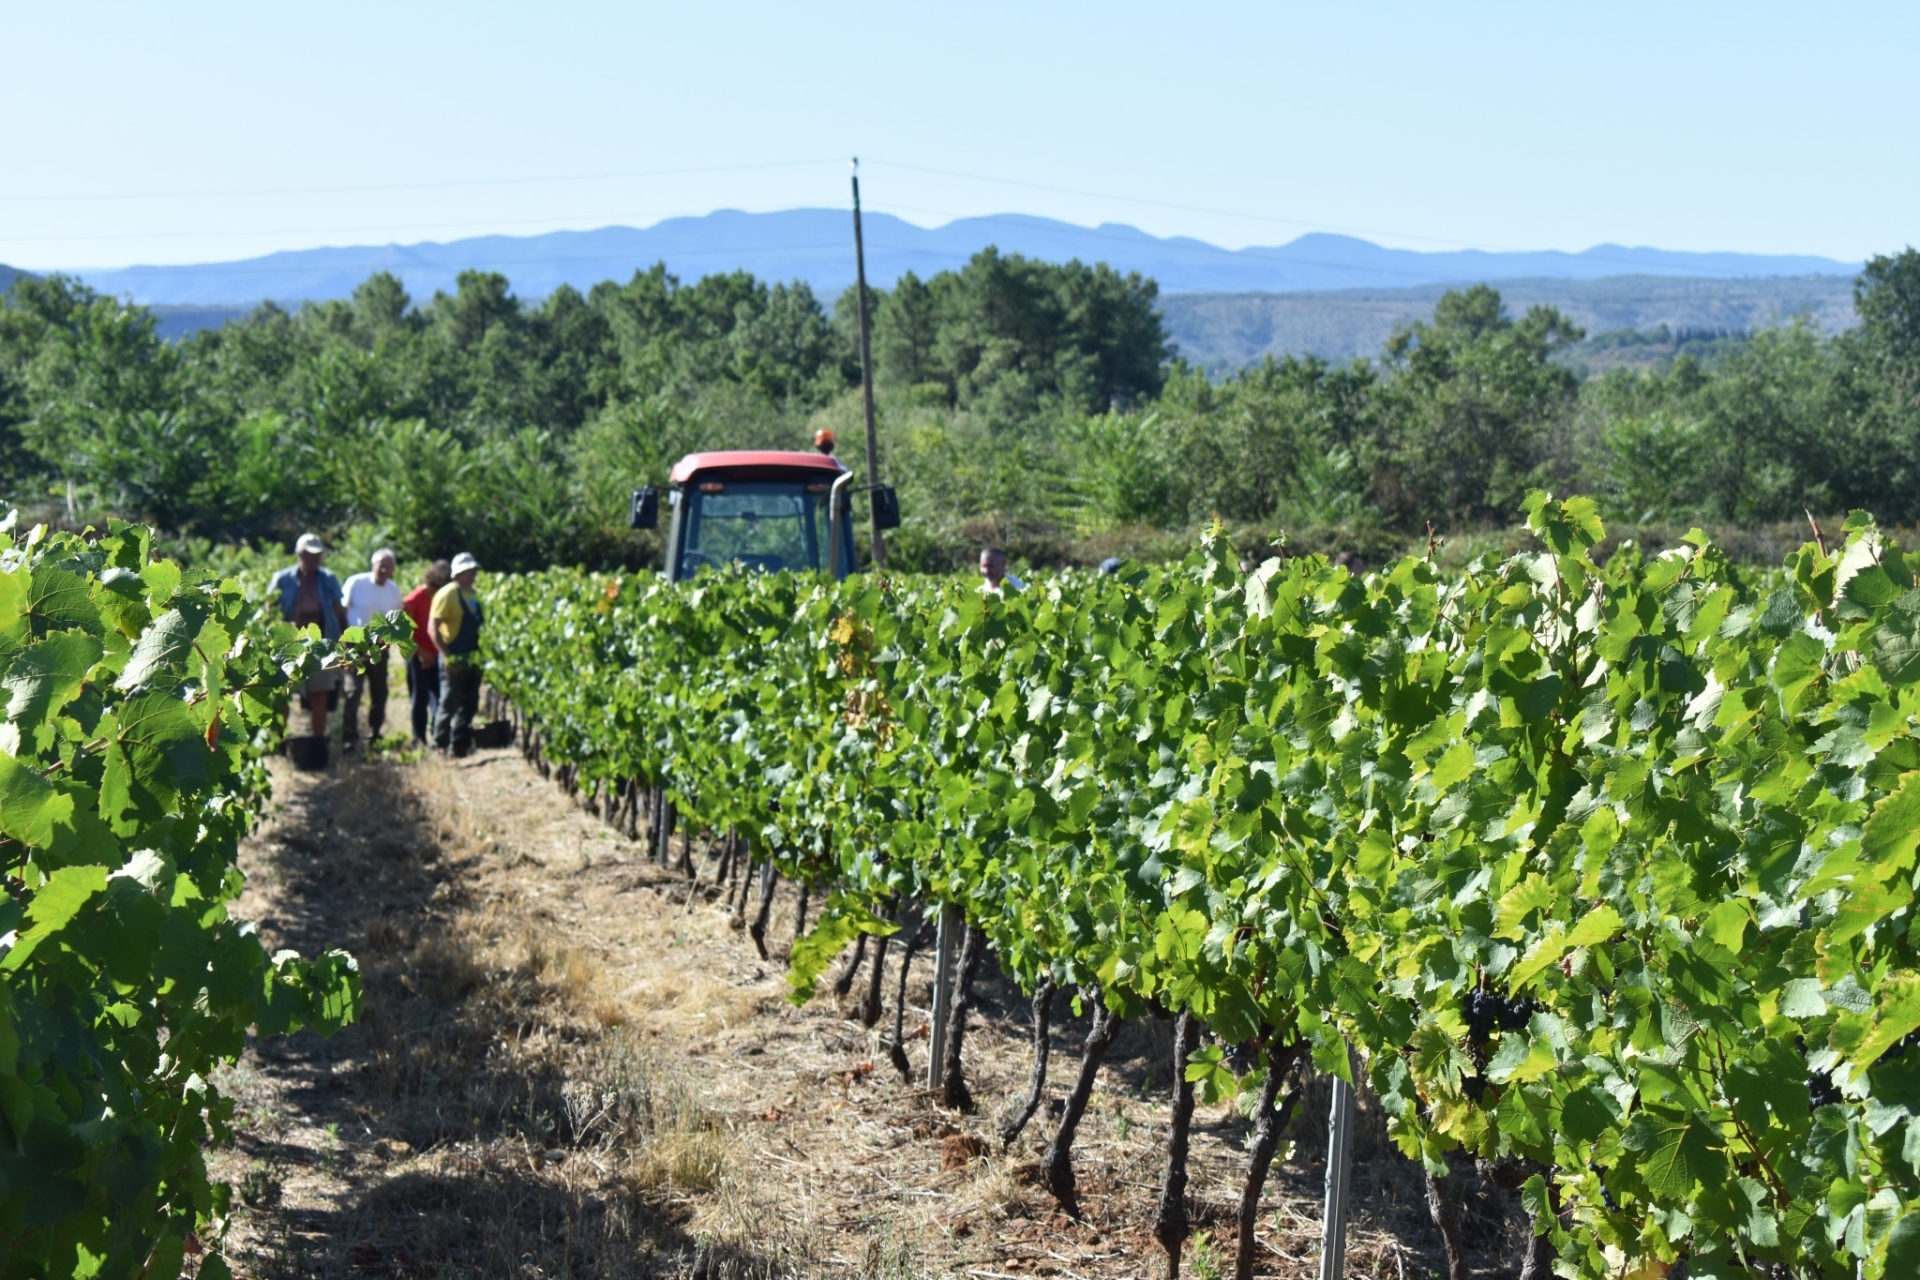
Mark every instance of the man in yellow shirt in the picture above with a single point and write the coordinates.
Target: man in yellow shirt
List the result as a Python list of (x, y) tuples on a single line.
[(456, 617)]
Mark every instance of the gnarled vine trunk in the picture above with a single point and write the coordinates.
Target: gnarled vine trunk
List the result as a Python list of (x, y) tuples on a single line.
[(1271, 1121), (1444, 1209), (1170, 1223), (1058, 1163), (897, 1051), (769, 883), (1042, 1045), (870, 1006), (953, 1079), (843, 983)]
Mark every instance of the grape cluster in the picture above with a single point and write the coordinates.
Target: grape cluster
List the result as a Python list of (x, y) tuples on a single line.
[(1489, 1011), (1822, 1091)]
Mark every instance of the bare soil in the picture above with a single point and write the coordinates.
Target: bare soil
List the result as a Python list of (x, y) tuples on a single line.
[(571, 1063)]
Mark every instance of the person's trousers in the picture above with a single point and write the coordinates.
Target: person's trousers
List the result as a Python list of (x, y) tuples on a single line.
[(370, 684), (423, 693), (459, 703)]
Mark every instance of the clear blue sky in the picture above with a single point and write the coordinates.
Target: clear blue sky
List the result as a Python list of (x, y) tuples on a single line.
[(172, 133)]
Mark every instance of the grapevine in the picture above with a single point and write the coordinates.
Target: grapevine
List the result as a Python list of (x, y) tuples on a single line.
[(1603, 870), (140, 704)]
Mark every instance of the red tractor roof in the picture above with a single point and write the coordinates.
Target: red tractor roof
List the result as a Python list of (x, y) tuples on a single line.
[(756, 464)]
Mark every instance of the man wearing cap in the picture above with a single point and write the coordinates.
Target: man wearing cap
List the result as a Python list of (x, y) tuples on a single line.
[(456, 619), (368, 596), (308, 595)]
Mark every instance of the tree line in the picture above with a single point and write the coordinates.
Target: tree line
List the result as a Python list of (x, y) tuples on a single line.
[(1018, 399)]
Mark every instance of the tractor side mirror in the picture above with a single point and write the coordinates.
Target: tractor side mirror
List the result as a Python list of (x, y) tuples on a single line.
[(646, 508), (886, 506)]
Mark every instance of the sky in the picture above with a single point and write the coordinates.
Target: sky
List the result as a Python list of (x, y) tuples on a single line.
[(194, 132)]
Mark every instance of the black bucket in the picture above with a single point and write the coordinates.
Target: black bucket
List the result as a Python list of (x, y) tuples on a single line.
[(494, 734), (307, 752)]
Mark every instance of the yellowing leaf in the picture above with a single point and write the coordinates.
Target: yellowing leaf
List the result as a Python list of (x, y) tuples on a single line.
[(1516, 904), (1596, 926), (1894, 829)]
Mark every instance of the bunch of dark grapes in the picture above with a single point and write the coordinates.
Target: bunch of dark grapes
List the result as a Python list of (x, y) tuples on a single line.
[(1822, 1091), (1489, 1011), (1486, 1012)]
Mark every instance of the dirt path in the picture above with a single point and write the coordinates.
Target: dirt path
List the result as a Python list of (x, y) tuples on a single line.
[(570, 1064)]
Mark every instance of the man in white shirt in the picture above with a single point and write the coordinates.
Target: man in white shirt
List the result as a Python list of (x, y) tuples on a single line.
[(995, 580), (368, 596)]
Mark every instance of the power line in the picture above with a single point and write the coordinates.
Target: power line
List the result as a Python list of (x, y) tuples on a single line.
[(606, 221), (421, 186)]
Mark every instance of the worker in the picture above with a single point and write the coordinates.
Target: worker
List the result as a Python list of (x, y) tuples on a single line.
[(309, 596), (368, 596), (456, 619), (423, 669), (823, 441), (993, 571), (1110, 567)]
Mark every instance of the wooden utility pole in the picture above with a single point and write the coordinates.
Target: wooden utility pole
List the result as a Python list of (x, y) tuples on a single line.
[(866, 368)]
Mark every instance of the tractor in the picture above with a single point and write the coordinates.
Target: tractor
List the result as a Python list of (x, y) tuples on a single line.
[(762, 508)]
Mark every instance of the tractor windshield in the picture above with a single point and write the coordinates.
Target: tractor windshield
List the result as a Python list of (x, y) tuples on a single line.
[(766, 526)]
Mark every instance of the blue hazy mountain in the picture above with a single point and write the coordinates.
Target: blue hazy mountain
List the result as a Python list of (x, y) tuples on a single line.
[(816, 245)]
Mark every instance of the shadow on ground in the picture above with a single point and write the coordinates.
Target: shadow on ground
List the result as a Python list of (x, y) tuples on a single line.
[(476, 1121)]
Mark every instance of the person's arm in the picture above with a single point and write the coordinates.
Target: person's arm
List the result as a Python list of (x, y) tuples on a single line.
[(445, 617)]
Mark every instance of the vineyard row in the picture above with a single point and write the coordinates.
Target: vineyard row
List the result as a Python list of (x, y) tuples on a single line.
[(1604, 871)]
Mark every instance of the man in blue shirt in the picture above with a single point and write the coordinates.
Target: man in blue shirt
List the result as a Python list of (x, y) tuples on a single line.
[(308, 595)]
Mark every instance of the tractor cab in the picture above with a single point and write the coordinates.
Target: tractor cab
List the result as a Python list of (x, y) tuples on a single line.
[(765, 509)]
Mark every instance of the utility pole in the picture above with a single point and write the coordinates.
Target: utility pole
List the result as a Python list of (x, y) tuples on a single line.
[(866, 368)]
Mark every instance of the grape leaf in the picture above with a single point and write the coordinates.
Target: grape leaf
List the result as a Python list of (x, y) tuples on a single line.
[(1896, 645), (161, 645), (1676, 1155), (54, 906), (1893, 832), (46, 675)]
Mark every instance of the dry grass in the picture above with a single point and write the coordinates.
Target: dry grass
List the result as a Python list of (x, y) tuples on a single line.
[(570, 1065)]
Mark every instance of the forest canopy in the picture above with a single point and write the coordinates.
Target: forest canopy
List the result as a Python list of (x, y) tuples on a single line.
[(1026, 401)]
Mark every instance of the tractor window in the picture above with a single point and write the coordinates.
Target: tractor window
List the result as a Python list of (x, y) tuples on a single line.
[(763, 526)]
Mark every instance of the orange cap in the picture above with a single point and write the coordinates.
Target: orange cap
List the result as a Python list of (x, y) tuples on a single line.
[(823, 436)]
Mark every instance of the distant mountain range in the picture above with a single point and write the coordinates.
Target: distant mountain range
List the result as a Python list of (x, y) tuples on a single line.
[(816, 245), (1222, 332), (1326, 295)]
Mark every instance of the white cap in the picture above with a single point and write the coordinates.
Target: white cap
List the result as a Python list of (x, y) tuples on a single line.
[(310, 545), (464, 562)]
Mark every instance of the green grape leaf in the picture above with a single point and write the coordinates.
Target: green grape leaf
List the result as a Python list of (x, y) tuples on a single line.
[(1516, 904), (31, 808), (1902, 1256), (163, 644), (14, 584), (47, 675), (1896, 645), (154, 750), (61, 600), (1896, 1015), (54, 907), (1676, 1154), (1893, 832)]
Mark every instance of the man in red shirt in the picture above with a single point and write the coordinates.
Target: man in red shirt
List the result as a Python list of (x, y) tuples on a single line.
[(423, 673)]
